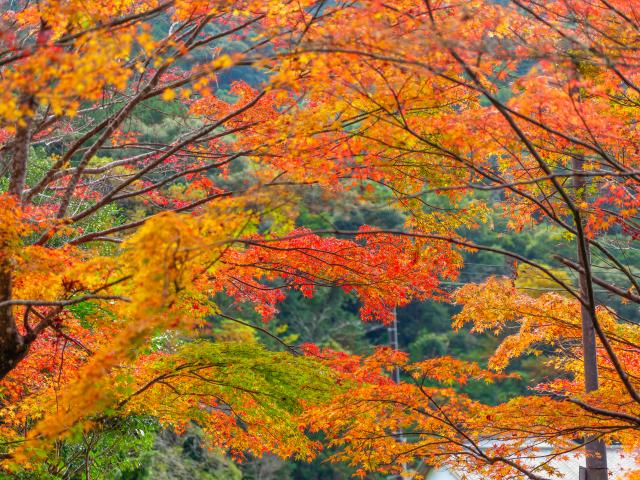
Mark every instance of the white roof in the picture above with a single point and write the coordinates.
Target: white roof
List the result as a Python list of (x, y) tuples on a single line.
[(619, 463)]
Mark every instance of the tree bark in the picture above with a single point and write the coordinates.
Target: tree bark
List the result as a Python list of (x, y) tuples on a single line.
[(13, 346), (19, 162)]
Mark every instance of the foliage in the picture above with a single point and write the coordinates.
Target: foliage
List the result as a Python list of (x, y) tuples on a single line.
[(165, 172)]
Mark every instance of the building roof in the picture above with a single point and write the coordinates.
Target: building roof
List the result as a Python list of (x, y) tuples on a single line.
[(620, 464)]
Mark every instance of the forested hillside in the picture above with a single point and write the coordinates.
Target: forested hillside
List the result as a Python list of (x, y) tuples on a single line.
[(319, 240)]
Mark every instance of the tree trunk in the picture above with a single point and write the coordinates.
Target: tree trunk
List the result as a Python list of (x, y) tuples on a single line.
[(13, 346)]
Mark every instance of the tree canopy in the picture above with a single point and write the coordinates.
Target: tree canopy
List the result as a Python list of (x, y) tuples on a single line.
[(177, 177)]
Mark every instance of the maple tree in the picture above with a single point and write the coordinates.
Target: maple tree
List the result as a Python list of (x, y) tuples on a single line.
[(535, 101), (137, 188)]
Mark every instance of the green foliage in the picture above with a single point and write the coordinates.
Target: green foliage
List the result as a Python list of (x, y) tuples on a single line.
[(329, 319), (283, 379), (114, 449), (183, 457), (429, 345)]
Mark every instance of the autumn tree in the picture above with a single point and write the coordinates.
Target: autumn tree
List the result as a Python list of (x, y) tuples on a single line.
[(535, 101), (141, 180)]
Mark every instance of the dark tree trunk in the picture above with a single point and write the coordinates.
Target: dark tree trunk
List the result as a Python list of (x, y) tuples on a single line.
[(13, 346)]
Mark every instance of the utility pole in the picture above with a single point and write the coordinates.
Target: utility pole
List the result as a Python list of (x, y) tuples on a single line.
[(392, 330), (596, 450)]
